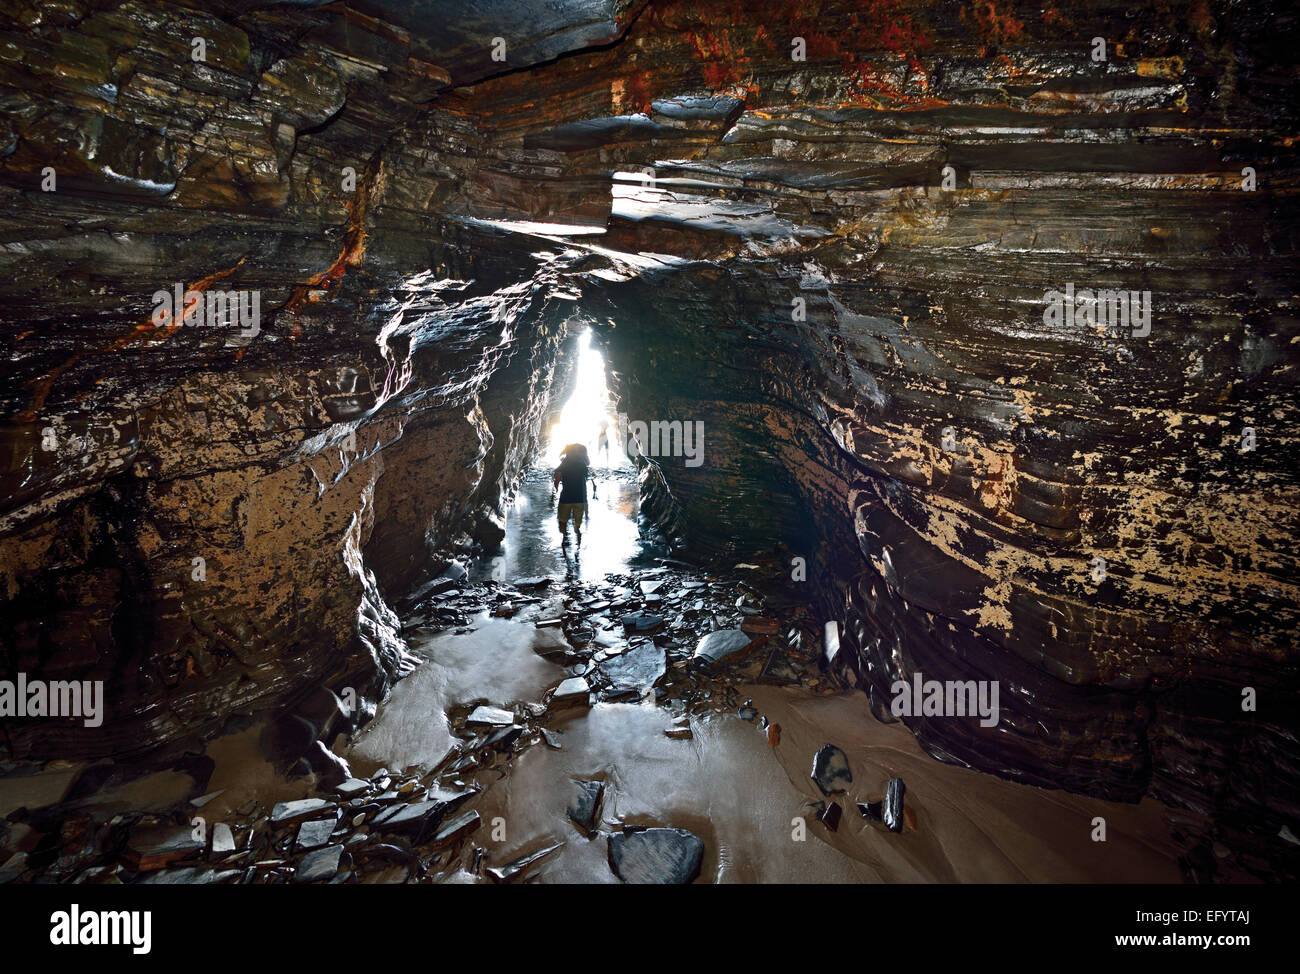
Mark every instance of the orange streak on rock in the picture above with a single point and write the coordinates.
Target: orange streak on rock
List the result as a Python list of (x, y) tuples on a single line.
[(42, 386)]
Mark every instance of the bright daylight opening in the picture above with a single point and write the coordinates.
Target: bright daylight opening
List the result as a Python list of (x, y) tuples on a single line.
[(589, 410)]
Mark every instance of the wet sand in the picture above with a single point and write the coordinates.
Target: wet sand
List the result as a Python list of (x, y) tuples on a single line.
[(749, 802)]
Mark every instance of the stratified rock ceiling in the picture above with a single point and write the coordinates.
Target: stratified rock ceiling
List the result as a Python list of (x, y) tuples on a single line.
[(1103, 521)]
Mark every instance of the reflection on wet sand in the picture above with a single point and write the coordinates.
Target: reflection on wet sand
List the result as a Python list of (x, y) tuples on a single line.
[(676, 752)]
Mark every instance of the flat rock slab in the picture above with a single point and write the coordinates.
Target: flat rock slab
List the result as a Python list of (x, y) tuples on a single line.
[(637, 669), (584, 810), (656, 856), (490, 716), (319, 866), (455, 829), (724, 642), (642, 622), (574, 690), (353, 788), (831, 770), (315, 833), (291, 813), (155, 846)]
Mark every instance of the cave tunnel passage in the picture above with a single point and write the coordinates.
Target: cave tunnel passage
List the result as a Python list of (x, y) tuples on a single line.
[(611, 535), (987, 349)]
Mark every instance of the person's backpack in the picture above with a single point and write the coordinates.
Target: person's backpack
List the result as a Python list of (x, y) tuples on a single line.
[(575, 454)]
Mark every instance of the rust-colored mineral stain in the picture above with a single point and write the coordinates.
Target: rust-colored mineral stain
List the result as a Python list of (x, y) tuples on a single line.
[(354, 248), (41, 387), (773, 735)]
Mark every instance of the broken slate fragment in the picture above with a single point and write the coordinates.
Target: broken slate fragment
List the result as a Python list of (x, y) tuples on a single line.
[(223, 840), (638, 669), (352, 788), (514, 870), (584, 810), (760, 626), (892, 812), (318, 866), (418, 819), (456, 829), (574, 690), (871, 811), (503, 737), (649, 588), (291, 813), (831, 816), (831, 770), (491, 716), (779, 670), (724, 642), (655, 856), (642, 622), (316, 833), (155, 846)]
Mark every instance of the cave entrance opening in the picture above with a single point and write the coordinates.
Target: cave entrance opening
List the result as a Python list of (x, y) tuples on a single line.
[(588, 412), (611, 539)]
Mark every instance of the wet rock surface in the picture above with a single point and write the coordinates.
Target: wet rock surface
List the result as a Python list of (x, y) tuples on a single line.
[(655, 856), (838, 265)]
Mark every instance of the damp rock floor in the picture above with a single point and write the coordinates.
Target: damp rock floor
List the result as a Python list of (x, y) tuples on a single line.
[(596, 715)]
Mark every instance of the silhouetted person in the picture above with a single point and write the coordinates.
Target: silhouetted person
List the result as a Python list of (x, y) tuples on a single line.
[(572, 473), (602, 444)]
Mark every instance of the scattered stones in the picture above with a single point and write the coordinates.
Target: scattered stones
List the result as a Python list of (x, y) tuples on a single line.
[(418, 819), (831, 770), (661, 856), (584, 810), (892, 813)]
